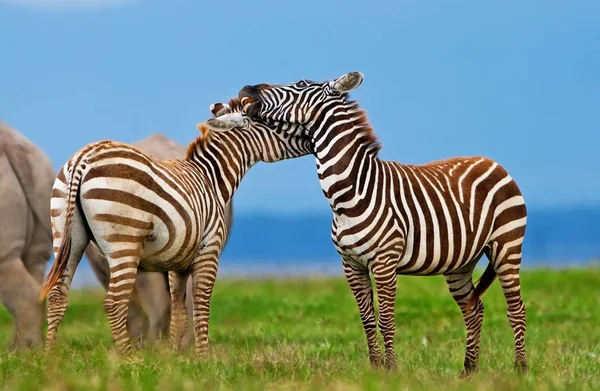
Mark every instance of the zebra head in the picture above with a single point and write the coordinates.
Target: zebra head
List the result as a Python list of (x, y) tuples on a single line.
[(304, 102), (270, 140)]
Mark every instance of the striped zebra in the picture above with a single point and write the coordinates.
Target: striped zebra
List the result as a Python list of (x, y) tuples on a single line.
[(392, 218), (156, 216), (150, 302)]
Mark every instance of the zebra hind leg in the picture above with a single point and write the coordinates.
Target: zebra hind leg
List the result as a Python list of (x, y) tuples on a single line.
[(179, 321), (58, 301), (506, 260), (360, 285), (57, 297), (461, 288), (116, 304)]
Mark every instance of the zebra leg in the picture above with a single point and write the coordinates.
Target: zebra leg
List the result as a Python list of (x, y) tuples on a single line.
[(116, 304), (505, 257), (204, 274), (152, 289), (384, 274), (360, 285), (507, 268), (461, 287), (57, 297), (58, 301), (179, 321)]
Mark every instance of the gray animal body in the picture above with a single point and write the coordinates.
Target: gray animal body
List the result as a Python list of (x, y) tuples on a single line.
[(26, 178)]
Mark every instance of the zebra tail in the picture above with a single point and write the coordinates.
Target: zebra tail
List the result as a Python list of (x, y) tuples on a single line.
[(484, 282), (64, 251)]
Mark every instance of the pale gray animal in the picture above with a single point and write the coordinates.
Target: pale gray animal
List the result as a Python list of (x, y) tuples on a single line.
[(150, 303), (26, 179)]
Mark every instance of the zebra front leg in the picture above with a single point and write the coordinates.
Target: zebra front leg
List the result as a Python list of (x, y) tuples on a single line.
[(116, 304), (360, 285), (204, 274), (461, 288), (384, 273), (179, 321)]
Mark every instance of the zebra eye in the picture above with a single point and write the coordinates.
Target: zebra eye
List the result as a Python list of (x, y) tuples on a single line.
[(302, 84)]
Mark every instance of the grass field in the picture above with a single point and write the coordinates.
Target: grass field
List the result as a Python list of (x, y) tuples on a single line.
[(306, 334)]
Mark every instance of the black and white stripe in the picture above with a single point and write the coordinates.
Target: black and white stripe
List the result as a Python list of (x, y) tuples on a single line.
[(392, 218), (156, 215)]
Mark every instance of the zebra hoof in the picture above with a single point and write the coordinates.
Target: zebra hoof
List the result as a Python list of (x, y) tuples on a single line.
[(125, 350), (376, 361), (521, 367), (469, 369), (391, 365)]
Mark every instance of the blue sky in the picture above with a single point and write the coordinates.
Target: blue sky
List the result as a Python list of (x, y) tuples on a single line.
[(516, 82)]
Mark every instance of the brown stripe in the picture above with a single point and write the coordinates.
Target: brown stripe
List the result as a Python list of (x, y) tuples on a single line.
[(124, 171), (126, 221), (135, 202), (174, 182), (57, 193), (426, 178), (125, 253), (124, 238), (61, 175), (123, 265)]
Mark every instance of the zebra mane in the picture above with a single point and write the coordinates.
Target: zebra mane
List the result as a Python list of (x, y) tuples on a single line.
[(361, 120), (202, 141)]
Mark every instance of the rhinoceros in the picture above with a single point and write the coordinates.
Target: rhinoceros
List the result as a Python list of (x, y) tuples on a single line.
[(26, 179)]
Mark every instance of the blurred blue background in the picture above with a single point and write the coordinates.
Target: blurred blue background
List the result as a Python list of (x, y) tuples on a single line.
[(514, 81)]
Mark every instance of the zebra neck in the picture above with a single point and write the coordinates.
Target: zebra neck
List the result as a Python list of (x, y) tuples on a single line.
[(225, 162), (346, 151)]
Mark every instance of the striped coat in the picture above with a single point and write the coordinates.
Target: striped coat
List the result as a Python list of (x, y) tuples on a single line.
[(156, 216), (150, 302), (392, 218)]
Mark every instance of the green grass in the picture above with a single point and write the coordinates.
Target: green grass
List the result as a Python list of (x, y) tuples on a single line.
[(306, 334)]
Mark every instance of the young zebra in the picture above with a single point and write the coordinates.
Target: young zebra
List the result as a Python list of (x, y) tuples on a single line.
[(391, 218), (156, 215)]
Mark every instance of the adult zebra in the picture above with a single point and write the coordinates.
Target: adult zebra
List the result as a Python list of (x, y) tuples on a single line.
[(150, 302), (391, 218), (156, 215)]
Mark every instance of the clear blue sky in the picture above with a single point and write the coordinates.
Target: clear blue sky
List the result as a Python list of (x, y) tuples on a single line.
[(517, 82)]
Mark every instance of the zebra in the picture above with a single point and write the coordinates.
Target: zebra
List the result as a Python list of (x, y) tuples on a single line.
[(156, 215), (395, 219), (150, 302)]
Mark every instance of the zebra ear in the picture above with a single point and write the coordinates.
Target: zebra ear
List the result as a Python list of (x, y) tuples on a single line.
[(218, 109), (225, 122), (348, 82)]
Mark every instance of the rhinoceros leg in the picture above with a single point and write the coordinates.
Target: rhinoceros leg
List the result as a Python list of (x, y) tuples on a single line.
[(153, 292), (19, 293), (35, 258), (188, 336)]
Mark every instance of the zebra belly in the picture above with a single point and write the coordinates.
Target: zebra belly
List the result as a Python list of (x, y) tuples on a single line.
[(414, 256), (172, 259), (418, 258)]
